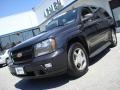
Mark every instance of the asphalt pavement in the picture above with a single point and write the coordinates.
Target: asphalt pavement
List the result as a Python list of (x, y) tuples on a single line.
[(103, 74)]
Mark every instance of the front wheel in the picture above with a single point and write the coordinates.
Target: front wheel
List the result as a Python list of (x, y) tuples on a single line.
[(113, 38), (77, 60)]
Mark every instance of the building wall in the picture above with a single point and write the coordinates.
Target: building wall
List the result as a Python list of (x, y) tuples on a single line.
[(18, 22), (116, 11), (115, 6)]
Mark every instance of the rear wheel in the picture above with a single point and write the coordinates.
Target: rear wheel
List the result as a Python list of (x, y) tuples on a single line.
[(77, 60), (113, 38)]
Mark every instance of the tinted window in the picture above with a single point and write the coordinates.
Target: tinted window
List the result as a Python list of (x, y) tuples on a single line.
[(103, 13), (16, 38), (64, 19), (85, 11), (93, 9), (52, 24), (36, 32), (27, 35), (5, 42), (106, 14)]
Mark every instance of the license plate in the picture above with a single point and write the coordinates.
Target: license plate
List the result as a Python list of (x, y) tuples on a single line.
[(19, 71)]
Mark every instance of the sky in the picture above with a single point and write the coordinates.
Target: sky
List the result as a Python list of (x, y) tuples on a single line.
[(10, 7)]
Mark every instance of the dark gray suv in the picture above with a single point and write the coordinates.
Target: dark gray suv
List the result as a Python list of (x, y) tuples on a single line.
[(66, 45)]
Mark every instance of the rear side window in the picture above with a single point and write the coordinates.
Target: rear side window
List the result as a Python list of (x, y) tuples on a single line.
[(106, 14), (85, 11), (94, 9), (103, 13)]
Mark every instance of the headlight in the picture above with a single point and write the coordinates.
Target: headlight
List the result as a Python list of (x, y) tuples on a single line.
[(44, 47)]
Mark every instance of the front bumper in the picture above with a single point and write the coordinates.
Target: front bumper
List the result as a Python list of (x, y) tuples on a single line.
[(37, 69)]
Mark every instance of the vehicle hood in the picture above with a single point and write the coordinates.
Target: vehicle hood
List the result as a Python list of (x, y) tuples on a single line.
[(41, 37)]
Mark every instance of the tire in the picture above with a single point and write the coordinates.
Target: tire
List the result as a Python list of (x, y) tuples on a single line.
[(77, 67), (113, 38)]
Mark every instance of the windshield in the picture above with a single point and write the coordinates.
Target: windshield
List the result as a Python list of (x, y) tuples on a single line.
[(52, 24), (62, 20)]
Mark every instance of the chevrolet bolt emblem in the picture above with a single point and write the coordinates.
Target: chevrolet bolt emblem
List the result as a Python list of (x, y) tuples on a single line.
[(19, 55)]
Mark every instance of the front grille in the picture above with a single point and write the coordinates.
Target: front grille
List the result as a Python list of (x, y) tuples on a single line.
[(27, 55)]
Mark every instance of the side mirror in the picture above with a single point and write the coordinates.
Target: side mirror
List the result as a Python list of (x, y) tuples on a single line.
[(87, 17)]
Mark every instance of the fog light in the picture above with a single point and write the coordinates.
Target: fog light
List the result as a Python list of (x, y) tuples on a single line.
[(48, 65)]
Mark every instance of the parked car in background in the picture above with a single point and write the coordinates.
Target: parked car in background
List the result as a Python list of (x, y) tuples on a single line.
[(66, 45), (4, 58)]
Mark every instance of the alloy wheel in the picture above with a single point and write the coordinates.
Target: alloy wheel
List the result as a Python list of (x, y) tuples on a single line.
[(79, 58)]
